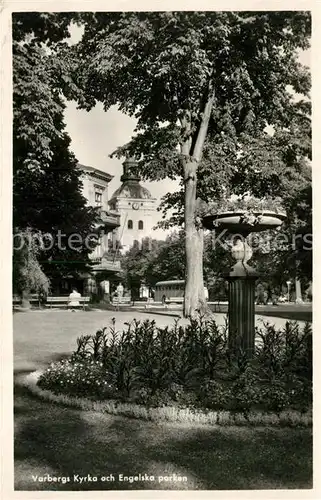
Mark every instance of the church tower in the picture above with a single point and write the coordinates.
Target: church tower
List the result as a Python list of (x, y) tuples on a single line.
[(135, 205)]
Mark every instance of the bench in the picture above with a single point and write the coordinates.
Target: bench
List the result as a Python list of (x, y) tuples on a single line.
[(219, 306), (121, 301), (33, 299), (177, 300), (61, 301)]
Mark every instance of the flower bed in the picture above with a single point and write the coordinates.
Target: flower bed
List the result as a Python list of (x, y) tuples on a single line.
[(188, 368)]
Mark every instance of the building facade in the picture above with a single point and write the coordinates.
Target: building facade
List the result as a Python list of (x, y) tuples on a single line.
[(135, 206), (105, 265)]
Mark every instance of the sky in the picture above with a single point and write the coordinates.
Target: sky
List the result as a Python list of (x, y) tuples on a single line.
[(97, 133)]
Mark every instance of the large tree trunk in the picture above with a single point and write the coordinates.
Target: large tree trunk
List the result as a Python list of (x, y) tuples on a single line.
[(194, 299), (25, 299)]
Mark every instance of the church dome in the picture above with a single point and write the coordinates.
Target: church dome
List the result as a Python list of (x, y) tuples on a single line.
[(131, 187)]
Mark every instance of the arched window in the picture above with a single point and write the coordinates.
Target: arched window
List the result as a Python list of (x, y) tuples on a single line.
[(130, 224), (140, 224)]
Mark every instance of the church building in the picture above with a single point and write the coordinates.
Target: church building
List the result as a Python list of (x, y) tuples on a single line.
[(127, 216), (135, 206), (105, 266)]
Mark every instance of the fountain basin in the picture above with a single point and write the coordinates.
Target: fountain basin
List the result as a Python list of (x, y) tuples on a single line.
[(244, 223)]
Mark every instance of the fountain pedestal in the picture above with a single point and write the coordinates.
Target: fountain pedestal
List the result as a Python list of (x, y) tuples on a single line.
[(242, 277), (241, 298), (241, 315)]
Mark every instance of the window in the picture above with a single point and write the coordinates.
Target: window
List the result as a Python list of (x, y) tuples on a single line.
[(98, 197), (130, 224), (140, 224)]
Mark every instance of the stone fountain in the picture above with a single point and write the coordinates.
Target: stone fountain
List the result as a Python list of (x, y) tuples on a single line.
[(241, 278)]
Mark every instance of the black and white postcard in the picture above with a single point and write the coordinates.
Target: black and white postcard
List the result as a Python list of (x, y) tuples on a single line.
[(157, 249)]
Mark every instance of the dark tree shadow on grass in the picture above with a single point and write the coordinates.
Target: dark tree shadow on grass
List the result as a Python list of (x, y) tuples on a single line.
[(66, 441), (59, 439), (244, 458)]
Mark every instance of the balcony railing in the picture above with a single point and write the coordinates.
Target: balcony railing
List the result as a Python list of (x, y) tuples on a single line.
[(110, 218), (105, 264)]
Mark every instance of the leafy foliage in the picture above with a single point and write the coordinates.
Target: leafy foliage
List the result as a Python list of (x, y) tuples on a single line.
[(189, 367), (27, 272), (203, 87), (157, 67), (42, 27), (46, 182), (173, 71), (154, 260), (137, 263)]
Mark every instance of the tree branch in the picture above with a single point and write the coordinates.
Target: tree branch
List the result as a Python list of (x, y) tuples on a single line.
[(201, 136), (186, 128)]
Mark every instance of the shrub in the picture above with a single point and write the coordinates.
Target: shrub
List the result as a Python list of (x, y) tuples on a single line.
[(189, 367), (214, 395), (82, 378)]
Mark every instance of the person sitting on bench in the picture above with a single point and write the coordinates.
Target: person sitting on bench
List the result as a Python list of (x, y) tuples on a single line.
[(73, 302)]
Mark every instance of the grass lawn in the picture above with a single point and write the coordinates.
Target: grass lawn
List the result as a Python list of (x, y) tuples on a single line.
[(40, 336), (52, 439), (63, 442)]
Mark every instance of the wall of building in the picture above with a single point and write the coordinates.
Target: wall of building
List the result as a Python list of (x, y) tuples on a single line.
[(91, 186), (135, 223), (141, 213)]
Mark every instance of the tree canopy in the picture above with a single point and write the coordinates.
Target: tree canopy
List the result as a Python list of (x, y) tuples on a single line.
[(46, 182), (201, 85), (158, 67), (154, 260)]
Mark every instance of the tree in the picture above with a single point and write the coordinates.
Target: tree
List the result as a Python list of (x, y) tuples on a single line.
[(283, 164), (265, 164), (169, 263), (155, 260), (27, 273), (138, 264), (41, 71), (192, 78), (46, 182)]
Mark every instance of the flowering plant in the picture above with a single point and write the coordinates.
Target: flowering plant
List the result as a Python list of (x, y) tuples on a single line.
[(251, 208), (78, 377), (188, 367)]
